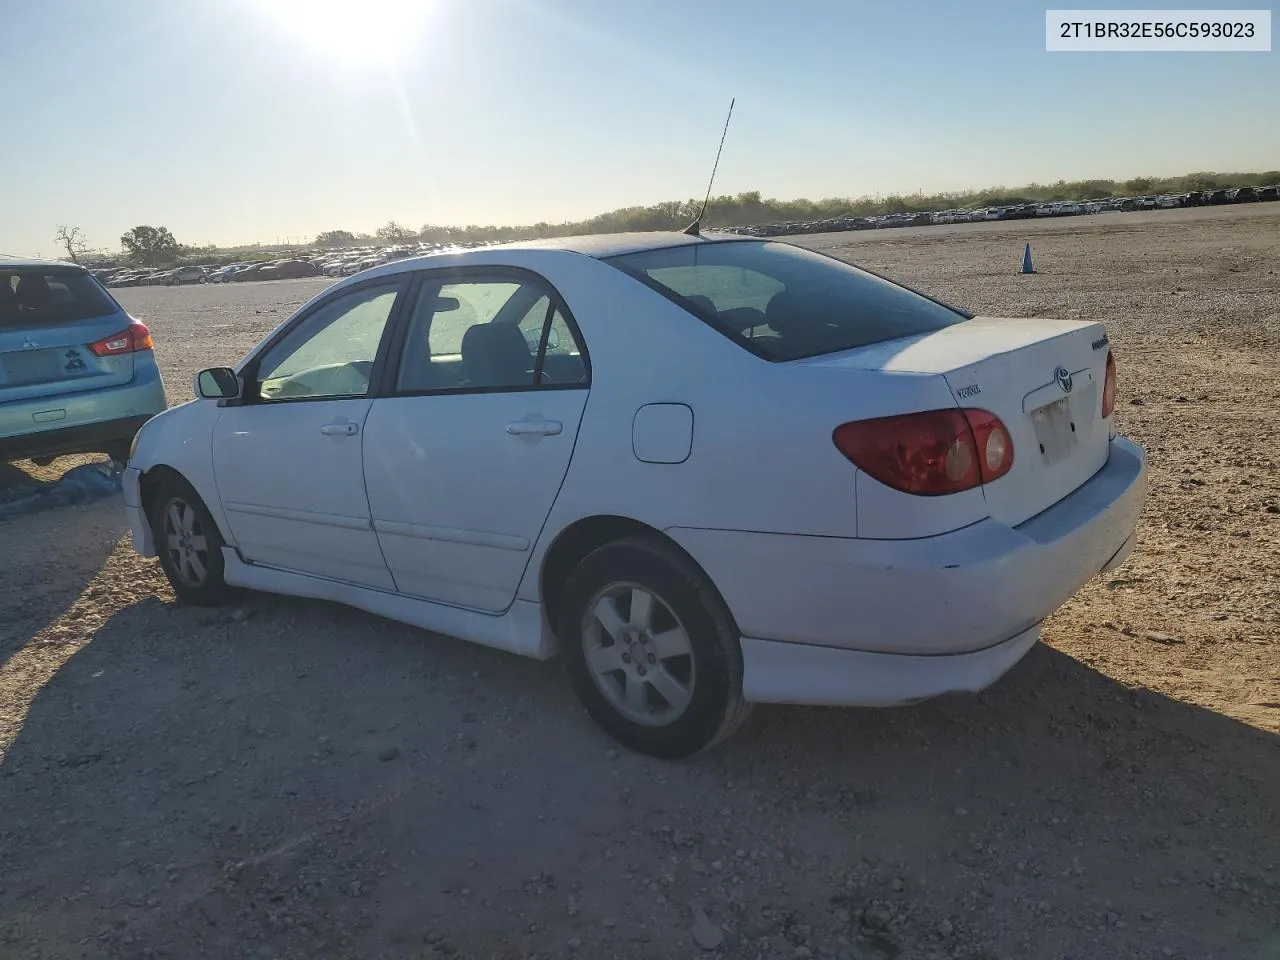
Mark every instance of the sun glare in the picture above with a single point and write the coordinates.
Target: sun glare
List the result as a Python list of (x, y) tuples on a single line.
[(352, 31)]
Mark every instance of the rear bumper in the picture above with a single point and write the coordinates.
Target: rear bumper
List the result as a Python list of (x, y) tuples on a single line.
[(776, 672), (87, 422), (84, 438), (957, 593)]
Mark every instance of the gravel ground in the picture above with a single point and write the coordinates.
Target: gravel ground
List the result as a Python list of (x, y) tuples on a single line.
[(297, 780)]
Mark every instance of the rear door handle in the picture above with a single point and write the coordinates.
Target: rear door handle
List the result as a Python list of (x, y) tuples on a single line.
[(340, 429), (541, 428)]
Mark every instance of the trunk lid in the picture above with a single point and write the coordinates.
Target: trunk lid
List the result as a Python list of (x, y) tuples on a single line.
[(49, 317), (40, 361), (1043, 378)]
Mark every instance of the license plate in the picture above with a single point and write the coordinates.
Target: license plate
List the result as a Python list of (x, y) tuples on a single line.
[(34, 366), (1055, 430)]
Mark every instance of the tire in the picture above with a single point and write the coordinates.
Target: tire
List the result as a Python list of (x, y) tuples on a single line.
[(650, 696), (176, 509)]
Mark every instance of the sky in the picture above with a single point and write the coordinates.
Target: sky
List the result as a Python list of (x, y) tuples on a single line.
[(240, 121)]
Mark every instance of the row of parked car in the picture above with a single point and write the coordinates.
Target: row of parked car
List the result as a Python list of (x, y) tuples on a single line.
[(207, 273), (329, 263), (1022, 211), (348, 260)]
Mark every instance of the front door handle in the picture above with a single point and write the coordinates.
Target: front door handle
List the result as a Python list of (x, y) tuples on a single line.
[(340, 429), (539, 428)]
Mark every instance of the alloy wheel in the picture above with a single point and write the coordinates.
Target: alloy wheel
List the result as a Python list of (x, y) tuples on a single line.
[(638, 654), (185, 542)]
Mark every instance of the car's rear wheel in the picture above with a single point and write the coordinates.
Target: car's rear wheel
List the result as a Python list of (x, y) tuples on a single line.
[(188, 543), (650, 649)]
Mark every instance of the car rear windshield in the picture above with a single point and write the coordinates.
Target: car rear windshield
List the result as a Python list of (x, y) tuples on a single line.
[(783, 302), (41, 295)]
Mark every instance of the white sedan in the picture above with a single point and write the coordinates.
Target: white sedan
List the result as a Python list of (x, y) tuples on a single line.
[(707, 472)]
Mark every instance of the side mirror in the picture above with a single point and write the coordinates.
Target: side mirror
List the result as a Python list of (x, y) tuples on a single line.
[(217, 383)]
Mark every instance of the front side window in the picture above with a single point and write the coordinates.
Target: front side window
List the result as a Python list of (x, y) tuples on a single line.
[(486, 334), (330, 354), (784, 302)]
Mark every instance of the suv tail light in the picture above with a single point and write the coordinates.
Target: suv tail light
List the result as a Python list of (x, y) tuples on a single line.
[(931, 453), (131, 339), (1109, 387)]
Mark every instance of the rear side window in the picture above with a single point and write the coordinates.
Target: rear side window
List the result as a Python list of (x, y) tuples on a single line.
[(783, 302), (36, 297)]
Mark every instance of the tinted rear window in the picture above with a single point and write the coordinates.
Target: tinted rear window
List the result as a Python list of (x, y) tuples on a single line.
[(34, 297), (783, 302)]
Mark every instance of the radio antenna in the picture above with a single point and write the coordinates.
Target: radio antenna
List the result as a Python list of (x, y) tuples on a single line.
[(695, 229)]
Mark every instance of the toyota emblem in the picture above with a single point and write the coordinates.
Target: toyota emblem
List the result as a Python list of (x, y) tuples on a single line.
[(1063, 376)]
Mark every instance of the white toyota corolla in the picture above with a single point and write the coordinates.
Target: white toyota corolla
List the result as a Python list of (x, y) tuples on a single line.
[(708, 472)]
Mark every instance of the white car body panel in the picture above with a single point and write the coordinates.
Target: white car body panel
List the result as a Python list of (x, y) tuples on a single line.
[(521, 629), (318, 524), (181, 439), (1007, 366), (459, 499), (871, 591), (953, 593), (778, 672)]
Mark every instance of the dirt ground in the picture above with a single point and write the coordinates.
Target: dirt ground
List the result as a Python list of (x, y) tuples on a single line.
[(290, 779)]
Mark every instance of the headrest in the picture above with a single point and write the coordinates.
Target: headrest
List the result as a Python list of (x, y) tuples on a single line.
[(705, 303), (787, 310), (33, 288), (495, 355), (494, 336), (743, 318)]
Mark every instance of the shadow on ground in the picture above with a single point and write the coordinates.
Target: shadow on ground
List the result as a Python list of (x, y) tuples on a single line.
[(314, 782), (48, 557)]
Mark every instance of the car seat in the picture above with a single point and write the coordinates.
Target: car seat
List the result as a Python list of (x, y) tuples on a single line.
[(496, 355)]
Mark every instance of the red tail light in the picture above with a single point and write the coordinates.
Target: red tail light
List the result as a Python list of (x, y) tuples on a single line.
[(131, 339), (1109, 387), (932, 453)]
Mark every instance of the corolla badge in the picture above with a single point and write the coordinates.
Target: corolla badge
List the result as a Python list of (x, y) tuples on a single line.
[(1063, 376)]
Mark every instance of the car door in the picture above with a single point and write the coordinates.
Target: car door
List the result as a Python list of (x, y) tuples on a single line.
[(288, 458), (466, 452)]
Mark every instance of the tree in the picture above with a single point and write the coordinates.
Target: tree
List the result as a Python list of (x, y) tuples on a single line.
[(433, 234), (335, 238), (392, 232), (72, 240), (150, 246)]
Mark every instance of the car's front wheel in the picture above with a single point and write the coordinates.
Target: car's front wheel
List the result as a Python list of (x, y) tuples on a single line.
[(650, 649), (188, 543)]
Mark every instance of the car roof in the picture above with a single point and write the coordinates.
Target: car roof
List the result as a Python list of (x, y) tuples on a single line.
[(7, 263), (602, 245), (598, 246)]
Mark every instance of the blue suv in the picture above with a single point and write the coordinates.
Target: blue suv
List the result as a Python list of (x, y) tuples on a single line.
[(77, 373)]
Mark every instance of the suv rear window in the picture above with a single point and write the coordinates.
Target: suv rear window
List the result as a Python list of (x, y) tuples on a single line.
[(783, 302), (38, 296)]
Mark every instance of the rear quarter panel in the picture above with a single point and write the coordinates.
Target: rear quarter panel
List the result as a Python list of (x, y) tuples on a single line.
[(762, 456)]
